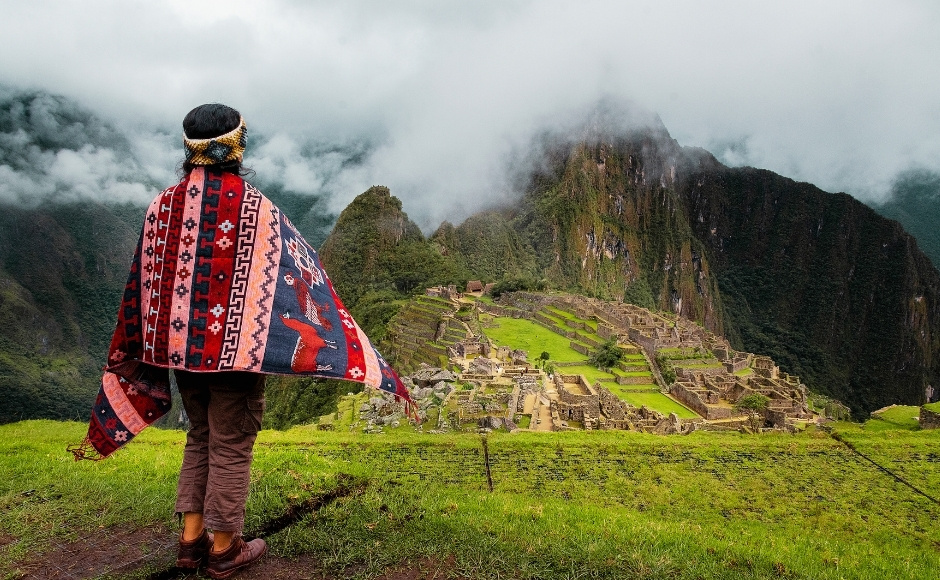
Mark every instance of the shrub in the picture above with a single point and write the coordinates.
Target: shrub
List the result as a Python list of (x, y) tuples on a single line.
[(607, 355)]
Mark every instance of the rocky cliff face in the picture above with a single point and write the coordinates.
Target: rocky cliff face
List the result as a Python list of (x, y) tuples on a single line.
[(609, 220), (828, 288)]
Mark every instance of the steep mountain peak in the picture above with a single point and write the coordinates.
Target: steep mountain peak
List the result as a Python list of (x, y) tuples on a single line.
[(375, 248)]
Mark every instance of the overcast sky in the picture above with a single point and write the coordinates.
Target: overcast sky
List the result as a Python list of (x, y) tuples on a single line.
[(844, 94)]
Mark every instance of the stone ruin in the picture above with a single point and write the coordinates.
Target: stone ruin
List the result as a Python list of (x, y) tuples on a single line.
[(499, 384), (710, 391), (929, 419), (428, 386), (446, 292), (595, 407), (470, 347)]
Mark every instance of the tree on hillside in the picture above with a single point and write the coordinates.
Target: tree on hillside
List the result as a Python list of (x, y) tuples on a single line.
[(542, 359), (607, 355), (665, 369), (755, 404), (516, 285)]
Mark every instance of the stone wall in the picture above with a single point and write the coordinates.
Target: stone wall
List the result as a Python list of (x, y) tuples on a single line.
[(581, 348), (702, 370), (692, 399), (929, 419), (736, 364), (650, 380)]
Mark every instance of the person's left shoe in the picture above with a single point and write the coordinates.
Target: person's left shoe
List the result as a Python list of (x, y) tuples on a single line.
[(193, 554)]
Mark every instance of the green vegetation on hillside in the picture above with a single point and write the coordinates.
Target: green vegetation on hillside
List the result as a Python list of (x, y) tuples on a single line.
[(915, 202), (607, 355), (376, 256), (897, 417)]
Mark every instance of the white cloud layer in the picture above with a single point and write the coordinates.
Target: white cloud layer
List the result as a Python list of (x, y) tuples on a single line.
[(431, 97)]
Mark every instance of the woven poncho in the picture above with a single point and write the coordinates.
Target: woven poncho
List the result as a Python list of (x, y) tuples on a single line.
[(222, 281)]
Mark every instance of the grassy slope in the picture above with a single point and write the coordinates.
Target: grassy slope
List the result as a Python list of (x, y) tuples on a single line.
[(897, 417), (573, 505), (533, 338)]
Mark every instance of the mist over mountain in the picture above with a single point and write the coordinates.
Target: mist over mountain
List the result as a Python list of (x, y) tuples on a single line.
[(611, 206), (915, 203), (73, 189), (829, 289)]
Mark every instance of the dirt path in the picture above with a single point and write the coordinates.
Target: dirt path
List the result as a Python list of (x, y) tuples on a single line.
[(528, 404), (542, 417), (152, 552), (111, 551)]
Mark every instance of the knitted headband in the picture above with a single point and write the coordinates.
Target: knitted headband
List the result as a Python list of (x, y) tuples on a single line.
[(219, 149)]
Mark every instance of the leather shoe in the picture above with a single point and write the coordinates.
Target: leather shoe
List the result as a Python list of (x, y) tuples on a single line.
[(237, 556), (193, 553)]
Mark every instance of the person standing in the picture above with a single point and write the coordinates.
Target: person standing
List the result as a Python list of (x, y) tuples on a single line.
[(223, 290)]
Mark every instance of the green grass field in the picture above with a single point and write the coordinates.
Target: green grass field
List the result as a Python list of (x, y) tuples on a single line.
[(590, 373), (656, 401), (899, 417), (624, 388), (599, 505), (532, 338)]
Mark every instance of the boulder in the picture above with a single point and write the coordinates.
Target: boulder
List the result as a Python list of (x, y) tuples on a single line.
[(668, 426), (442, 376)]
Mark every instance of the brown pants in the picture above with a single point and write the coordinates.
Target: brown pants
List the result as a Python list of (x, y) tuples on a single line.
[(224, 412)]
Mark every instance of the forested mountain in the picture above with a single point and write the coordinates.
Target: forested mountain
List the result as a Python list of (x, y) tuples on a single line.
[(832, 291), (62, 271), (915, 203)]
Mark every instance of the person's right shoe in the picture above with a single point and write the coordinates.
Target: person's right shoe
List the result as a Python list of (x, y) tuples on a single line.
[(193, 554), (237, 556)]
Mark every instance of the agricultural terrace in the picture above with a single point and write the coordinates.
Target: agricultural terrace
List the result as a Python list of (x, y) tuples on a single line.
[(563, 505), (519, 333), (522, 334), (895, 417)]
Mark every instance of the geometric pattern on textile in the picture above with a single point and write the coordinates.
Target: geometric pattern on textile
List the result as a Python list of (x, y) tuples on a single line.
[(222, 281)]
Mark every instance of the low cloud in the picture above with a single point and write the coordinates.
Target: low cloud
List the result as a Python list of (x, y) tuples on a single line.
[(432, 99)]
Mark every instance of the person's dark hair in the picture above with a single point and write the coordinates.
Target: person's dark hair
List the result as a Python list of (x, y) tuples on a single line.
[(212, 120)]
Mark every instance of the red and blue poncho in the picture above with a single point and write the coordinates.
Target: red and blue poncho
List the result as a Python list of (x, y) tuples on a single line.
[(222, 281)]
